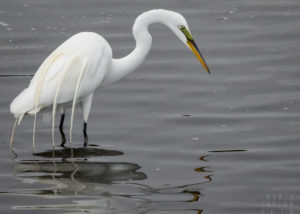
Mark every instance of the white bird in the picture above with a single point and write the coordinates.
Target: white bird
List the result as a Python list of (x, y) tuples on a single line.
[(73, 71)]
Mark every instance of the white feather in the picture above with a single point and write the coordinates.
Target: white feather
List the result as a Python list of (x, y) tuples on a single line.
[(64, 71), (64, 76), (83, 69)]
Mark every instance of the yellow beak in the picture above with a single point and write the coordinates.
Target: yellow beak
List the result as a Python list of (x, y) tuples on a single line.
[(197, 53)]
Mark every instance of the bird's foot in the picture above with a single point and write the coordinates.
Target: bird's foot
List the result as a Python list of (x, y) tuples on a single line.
[(63, 141), (86, 140)]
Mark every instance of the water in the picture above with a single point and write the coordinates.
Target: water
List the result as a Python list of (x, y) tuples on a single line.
[(168, 138)]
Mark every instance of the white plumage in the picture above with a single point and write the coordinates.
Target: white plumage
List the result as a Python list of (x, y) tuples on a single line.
[(86, 53), (72, 72)]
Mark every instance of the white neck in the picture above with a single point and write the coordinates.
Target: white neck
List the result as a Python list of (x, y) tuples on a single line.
[(123, 66)]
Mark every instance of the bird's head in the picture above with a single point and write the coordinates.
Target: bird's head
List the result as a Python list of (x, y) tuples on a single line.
[(177, 23)]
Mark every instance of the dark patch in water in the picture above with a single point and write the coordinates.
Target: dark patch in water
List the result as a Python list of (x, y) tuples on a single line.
[(230, 150), (16, 75), (81, 171), (84, 152)]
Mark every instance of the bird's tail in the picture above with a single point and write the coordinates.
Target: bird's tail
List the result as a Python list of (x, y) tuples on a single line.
[(22, 104)]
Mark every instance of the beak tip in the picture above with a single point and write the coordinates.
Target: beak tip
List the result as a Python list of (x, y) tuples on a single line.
[(207, 69), (197, 52)]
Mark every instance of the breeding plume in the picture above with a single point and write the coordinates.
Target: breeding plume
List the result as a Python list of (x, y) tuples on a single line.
[(72, 72)]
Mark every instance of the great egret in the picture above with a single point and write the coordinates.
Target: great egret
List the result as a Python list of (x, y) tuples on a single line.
[(72, 72)]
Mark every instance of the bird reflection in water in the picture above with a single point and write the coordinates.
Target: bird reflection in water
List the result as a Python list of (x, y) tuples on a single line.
[(71, 175), (104, 187)]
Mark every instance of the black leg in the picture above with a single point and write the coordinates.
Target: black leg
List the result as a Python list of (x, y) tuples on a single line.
[(61, 129), (86, 139)]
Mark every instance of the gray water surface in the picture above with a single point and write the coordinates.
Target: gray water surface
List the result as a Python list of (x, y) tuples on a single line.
[(169, 138)]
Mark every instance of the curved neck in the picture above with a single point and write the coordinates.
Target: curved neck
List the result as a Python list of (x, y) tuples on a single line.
[(123, 66)]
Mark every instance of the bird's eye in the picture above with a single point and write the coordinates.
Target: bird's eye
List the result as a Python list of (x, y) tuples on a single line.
[(182, 27)]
